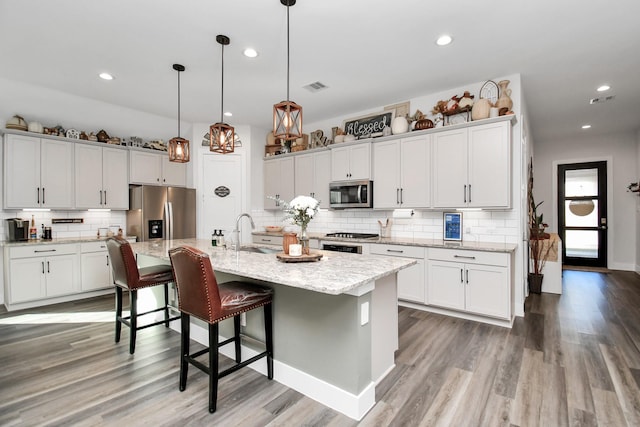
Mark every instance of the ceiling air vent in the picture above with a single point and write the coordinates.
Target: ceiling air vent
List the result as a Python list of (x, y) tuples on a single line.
[(315, 87), (602, 99)]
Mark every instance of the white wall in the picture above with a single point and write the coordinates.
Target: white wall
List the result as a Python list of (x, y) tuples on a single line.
[(620, 152)]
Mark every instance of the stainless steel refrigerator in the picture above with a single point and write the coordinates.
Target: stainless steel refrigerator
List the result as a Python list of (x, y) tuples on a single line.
[(161, 212)]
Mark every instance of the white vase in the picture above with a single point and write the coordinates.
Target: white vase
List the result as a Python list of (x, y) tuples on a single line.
[(399, 125)]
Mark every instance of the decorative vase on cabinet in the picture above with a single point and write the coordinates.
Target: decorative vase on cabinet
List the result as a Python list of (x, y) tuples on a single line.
[(399, 125), (504, 101)]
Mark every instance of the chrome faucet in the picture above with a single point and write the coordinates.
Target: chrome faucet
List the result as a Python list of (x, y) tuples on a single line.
[(237, 230)]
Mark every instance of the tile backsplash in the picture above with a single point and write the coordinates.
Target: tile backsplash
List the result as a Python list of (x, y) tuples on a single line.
[(89, 228), (483, 226)]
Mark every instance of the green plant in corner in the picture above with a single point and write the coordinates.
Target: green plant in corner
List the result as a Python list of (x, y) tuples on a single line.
[(538, 249)]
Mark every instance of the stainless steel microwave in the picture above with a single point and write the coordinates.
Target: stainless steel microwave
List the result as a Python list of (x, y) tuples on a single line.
[(351, 194)]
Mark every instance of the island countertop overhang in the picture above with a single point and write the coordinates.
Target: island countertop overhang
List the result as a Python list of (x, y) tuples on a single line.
[(336, 273)]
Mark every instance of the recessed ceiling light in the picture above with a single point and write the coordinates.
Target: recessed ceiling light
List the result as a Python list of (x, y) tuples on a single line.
[(228, 113), (106, 76), (603, 88), (586, 126), (444, 40), (250, 53)]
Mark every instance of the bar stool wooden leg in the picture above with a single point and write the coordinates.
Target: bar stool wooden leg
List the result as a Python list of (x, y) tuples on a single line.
[(213, 366), (133, 320), (185, 323), (166, 305), (268, 331), (118, 312), (236, 337)]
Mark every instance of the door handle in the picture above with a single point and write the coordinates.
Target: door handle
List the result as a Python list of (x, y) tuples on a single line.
[(43, 195), (603, 227), (465, 193), (467, 275), (401, 196), (42, 267)]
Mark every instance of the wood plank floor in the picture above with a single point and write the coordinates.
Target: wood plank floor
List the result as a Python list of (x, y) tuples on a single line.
[(573, 360)]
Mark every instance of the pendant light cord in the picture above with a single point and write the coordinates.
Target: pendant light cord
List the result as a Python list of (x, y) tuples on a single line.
[(222, 88), (287, 52), (178, 104)]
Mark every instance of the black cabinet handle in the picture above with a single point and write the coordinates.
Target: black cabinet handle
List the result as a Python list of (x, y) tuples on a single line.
[(107, 260), (397, 196), (43, 202), (469, 193), (395, 251), (467, 275), (38, 192), (401, 196), (465, 193), (43, 250), (42, 267), (461, 277), (465, 257), (48, 269), (105, 197)]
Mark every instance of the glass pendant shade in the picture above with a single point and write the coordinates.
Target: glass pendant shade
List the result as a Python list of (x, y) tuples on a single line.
[(221, 138), (178, 147), (178, 150), (287, 120)]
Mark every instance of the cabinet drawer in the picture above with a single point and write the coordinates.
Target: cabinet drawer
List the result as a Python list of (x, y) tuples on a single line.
[(398, 250), (93, 247), (470, 257), (267, 240), (42, 250)]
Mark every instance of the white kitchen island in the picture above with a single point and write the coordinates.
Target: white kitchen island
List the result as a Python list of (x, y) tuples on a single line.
[(335, 320)]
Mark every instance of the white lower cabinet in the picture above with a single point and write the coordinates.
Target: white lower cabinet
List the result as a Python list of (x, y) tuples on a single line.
[(94, 266), (45, 271), (411, 280), (471, 281)]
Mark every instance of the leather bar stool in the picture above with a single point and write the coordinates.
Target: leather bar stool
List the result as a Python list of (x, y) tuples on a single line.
[(127, 276), (199, 295)]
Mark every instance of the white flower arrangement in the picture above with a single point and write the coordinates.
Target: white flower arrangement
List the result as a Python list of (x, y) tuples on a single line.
[(301, 210)]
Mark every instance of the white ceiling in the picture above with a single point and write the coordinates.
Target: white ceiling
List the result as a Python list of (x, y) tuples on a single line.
[(368, 52)]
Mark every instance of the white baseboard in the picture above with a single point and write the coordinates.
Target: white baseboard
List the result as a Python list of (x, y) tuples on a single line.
[(623, 266), (349, 404)]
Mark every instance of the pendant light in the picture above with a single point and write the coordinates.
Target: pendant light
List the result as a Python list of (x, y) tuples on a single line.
[(287, 115), (221, 135), (178, 147)]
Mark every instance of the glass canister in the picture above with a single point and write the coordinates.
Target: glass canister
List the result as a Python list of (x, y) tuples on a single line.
[(288, 239)]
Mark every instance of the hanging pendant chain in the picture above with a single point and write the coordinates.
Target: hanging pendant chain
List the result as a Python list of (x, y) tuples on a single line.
[(287, 52), (222, 88)]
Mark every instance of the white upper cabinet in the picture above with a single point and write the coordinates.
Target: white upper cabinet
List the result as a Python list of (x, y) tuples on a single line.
[(101, 177), (312, 176), (156, 169), (38, 173), (352, 162), (402, 173), (472, 167), (279, 180)]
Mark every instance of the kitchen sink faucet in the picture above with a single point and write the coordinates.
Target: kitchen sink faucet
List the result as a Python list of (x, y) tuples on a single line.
[(237, 230)]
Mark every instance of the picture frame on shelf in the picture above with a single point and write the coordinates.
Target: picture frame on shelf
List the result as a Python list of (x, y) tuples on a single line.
[(402, 109), (452, 226)]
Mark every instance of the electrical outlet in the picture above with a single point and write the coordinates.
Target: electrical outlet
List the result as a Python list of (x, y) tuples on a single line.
[(243, 319)]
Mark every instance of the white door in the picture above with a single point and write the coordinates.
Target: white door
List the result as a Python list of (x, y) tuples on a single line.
[(446, 284), (88, 176), (22, 172), (95, 271), (27, 279), (450, 169), (173, 173), (386, 175), (115, 178), (62, 272), (489, 165), (219, 211), (56, 174)]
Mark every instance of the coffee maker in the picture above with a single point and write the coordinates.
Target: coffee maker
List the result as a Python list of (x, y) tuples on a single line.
[(17, 230)]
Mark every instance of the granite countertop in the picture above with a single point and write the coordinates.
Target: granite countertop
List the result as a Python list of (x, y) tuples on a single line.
[(58, 241), (336, 273), (429, 243)]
